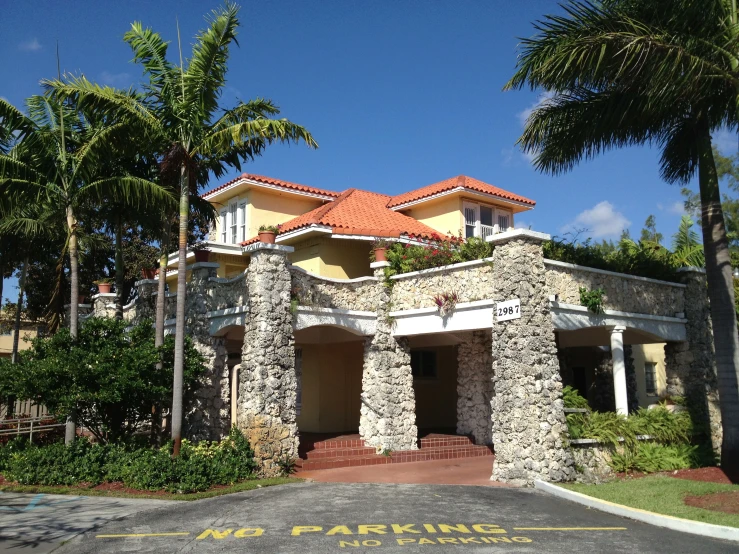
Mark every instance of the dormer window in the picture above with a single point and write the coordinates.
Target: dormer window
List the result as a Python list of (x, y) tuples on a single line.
[(483, 220)]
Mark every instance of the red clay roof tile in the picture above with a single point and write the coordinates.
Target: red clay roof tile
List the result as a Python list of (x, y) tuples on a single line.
[(274, 182), (455, 182)]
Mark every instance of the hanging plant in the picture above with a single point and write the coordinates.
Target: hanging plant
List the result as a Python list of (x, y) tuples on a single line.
[(446, 302)]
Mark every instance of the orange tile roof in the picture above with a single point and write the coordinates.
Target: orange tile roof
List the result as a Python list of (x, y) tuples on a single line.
[(359, 212), (274, 182), (455, 182)]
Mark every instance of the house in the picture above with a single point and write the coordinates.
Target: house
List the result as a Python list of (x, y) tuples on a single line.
[(308, 340)]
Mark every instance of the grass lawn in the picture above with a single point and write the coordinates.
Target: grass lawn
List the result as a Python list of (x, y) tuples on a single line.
[(80, 491), (663, 495)]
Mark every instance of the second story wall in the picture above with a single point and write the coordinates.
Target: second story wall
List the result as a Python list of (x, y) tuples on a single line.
[(334, 258), (443, 215)]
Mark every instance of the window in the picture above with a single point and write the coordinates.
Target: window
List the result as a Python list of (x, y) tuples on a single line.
[(423, 364), (482, 221), (223, 224), (242, 222), (232, 222), (650, 378)]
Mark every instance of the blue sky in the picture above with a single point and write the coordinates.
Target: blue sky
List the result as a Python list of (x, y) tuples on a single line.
[(398, 94)]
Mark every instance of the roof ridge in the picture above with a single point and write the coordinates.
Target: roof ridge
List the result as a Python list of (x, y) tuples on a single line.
[(326, 208)]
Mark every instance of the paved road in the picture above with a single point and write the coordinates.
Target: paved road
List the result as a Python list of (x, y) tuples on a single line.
[(309, 518), (41, 522)]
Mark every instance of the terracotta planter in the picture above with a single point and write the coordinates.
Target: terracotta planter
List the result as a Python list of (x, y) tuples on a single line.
[(380, 254), (148, 273), (81, 299), (267, 237), (104, 288), (202, 255)]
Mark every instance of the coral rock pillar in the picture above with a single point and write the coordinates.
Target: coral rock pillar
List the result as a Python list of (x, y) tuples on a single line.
[(267, 380), (529, 427), (690, 366), (388, 411), (475, 387)]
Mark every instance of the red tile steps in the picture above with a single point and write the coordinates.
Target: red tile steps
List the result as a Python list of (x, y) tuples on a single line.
[(351, 452)]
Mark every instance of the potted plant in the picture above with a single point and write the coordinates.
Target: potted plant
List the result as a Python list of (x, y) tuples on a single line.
[(267, 233), (379, 248), (104, 285), (446, 302)]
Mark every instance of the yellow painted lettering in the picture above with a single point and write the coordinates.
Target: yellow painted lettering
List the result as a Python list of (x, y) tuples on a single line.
[(450, 528), (429, 528), (521, 539), (249, 532), (371, 543), (447, 541), (340, 530), (426, 541), (487, 528), (405, 541), (500, 539), (400, 529), (300, 529), (342, 544), (471, 540), (367, 529), (215, 533)]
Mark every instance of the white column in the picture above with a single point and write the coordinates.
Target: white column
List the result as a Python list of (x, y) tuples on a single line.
[(619, 370), (234, 394)]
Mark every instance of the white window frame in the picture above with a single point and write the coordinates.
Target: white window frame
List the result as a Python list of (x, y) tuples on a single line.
[(233, 228), (242, 221), (223, 224), (479, 228)]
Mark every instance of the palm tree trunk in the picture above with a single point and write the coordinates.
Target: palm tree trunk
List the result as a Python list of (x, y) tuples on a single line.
[(74, 270), (118, 267), (721, 295), (19, 309), (2, 279), (179, 345)]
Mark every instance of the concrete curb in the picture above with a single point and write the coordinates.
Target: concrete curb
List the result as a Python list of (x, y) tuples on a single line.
[(659, 520)]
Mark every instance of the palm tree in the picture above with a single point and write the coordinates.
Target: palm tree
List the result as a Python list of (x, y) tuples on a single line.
[(687, 250), (196, 136), (58, 162), (664, 72)]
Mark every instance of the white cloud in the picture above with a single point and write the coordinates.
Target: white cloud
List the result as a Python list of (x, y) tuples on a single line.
[(526, 112), (118, 80), (676, 207), (32, 45), (600, 221), (726, 141), (520, 224)]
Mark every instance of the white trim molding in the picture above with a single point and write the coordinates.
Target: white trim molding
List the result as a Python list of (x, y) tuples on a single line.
[(467, 316), (252, 182), (513, 234), (332, 279), (465, 190), (313, 228), (431, 271), (556, 263), (570, 317)]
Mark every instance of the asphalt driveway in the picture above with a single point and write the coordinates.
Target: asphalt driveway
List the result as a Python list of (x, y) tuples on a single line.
[(340, 517)]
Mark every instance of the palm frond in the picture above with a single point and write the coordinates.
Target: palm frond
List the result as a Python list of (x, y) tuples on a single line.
[(128, 190), (150, 50)]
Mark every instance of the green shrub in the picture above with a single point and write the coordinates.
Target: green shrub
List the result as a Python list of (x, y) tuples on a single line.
[(435, 252), (665, 426), (649, 457), (197, 468), (573, 399)]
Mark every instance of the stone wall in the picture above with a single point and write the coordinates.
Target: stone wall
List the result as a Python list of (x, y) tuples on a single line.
[(690, 366), (622, 292), (529, 427), (267, 379), (475, 387), (388, 411), (592, 461), (470, 280), (345, 294), (227, 293)]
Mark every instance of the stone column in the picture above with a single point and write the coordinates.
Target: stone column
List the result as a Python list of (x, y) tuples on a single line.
[(267, 380), (388, 412), (619, 370), (529, 427), (145, 305), (475, 387), (207, 417), (103, 304), (690, 366)]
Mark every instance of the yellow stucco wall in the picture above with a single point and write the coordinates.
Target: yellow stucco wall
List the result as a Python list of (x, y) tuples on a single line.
[(28, 333), (654, 353), (336, 258), (331, 387), (266, 207), (443, 215), (436, 399)]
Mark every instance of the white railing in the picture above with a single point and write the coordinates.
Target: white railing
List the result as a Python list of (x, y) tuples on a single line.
[(487, 230), (27, 426)]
